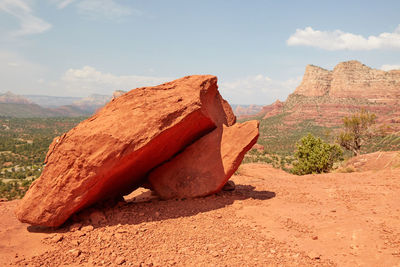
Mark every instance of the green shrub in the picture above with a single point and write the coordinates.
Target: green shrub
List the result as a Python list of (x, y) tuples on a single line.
[(314, 155)]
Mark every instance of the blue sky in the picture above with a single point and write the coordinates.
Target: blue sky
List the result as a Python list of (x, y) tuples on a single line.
[(258, 49)]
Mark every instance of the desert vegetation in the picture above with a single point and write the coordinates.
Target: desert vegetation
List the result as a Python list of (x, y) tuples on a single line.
[(280, 141), (315, 156), (277, 161), (23, 146), (357, 130)]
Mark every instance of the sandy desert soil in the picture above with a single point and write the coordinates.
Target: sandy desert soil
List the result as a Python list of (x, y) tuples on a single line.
[(271, 219)]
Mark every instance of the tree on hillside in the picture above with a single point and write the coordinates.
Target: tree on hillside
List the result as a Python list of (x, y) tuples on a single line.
[(357, 130), (315, 156)]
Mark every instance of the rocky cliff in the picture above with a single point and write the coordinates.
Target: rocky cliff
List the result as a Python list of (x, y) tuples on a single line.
[(316, 82), (325, 96), (351, 79)]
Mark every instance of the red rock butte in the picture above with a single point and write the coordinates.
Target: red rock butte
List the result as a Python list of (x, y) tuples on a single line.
[(351, 79), (326, 96), (110, 154)]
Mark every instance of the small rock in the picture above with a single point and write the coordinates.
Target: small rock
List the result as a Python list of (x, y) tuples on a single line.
[(119, 260), (229, 186), (183, 250), (80, 233), (57, 238), (314, 255), (74, 252), (157, 214), (3, 199), (75, 242), (315, 237), (121, 230), (75, 227), (118, 236), (87, 228)]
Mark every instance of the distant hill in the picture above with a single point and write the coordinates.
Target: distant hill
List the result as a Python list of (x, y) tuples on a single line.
[(23, 110), (51, 101), (246, 110), (91, 103), (12, 105), (9, 97), (42, 106)]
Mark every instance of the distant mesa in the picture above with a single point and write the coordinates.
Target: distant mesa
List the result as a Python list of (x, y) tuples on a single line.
[(92, 103), (127, 144), (12, 105), (118, 93), (350, 79), (325, 96), (11, 98), (243, 111)]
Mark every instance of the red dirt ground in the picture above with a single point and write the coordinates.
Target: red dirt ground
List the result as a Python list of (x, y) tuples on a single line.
[(272, 218)]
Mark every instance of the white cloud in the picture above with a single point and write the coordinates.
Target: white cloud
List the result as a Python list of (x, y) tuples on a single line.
[(63, 3), (390, 67), (29, 24), (339, 40), (257, 89), (110, 9), (89, 80), (249, 84)]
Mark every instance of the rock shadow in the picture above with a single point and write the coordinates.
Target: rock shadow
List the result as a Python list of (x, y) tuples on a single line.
[(144, 208)]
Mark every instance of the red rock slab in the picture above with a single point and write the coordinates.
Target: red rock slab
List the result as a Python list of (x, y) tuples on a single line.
[(109, 154), (204, 167)]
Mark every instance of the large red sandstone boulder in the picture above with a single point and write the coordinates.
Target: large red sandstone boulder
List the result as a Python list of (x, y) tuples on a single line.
[(204, 167), (109, 154)]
